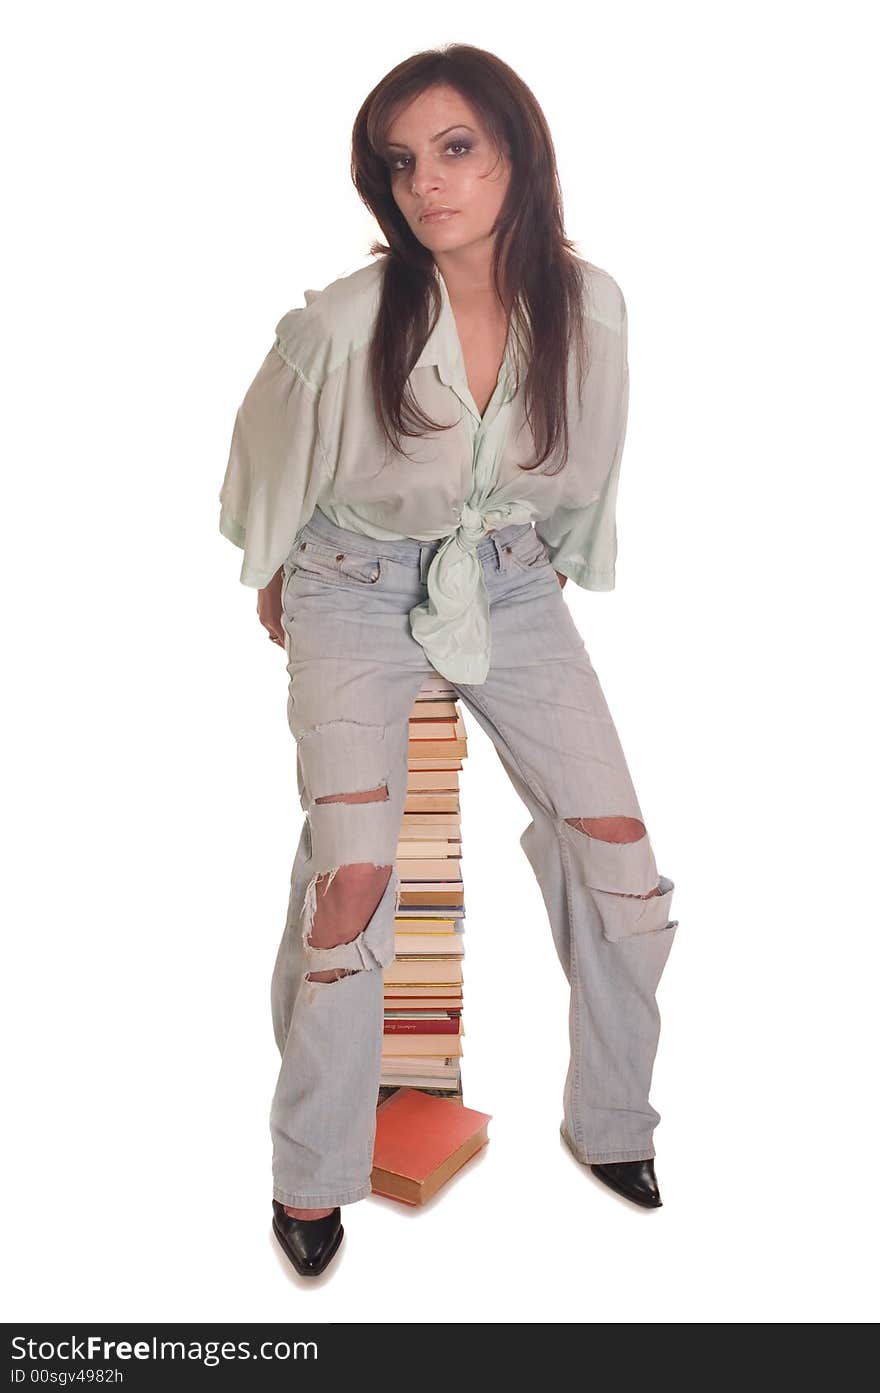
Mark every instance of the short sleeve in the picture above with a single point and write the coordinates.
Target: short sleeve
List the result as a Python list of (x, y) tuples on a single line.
[(276, 469), (582, 542)]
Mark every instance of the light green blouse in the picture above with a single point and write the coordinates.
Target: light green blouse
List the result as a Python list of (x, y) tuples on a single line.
[(307, 435)]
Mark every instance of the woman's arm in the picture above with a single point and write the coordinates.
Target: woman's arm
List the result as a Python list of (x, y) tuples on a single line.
[(582, 541), (269, 607)]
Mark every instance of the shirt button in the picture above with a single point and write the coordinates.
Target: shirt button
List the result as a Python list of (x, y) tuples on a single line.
[(341, 556)]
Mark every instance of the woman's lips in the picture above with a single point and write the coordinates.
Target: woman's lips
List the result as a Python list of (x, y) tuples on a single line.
[(439, 217)]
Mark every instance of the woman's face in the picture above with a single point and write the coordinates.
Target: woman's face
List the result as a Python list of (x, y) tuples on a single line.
[(439, 154)]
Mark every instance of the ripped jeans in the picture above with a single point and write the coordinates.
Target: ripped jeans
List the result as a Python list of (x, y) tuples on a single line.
[(355, 670)]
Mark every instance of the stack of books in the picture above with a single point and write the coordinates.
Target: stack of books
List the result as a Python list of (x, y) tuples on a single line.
[(423, 986)]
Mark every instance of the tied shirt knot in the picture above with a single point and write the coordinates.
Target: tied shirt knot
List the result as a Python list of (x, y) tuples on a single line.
[(452, 624), (474, 525)]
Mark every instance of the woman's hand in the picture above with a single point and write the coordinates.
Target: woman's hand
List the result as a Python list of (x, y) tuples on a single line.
[(269, 607), (561, 578)]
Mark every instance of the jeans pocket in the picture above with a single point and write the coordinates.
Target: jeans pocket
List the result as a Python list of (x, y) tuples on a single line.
[(528, 552), (287, 572), (322, 562), (628, 916)]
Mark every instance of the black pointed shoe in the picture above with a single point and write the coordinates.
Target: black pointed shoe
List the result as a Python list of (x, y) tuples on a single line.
[(310, 1244), (635, 1180)]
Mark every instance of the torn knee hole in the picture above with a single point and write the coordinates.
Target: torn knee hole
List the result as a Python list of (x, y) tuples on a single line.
[(331, 974), (364, 884), (370, 795), (331, 939), (627, 895), (614, 829), (610, 829)]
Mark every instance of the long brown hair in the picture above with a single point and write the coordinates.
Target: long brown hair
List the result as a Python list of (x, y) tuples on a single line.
[(534, 271)]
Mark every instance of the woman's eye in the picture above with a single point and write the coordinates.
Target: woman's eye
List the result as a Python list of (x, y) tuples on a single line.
[(395, 165)]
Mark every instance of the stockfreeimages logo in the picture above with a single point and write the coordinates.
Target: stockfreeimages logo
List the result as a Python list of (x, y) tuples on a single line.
[(95, 1349)]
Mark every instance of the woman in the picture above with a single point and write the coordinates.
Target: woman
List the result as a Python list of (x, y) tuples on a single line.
[(429, 451)]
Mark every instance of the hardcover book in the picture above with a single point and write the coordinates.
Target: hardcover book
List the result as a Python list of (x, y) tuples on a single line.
[(422, 1141)]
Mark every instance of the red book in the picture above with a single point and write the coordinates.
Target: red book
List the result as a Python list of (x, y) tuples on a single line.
[(421, 1141)]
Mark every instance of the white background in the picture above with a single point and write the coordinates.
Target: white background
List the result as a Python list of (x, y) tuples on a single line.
[(176, 176)]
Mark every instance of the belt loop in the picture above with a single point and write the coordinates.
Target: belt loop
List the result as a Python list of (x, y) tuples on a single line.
[(424, 562), (499, 551)]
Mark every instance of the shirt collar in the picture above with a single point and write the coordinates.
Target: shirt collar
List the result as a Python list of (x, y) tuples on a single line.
[(443, 347)]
